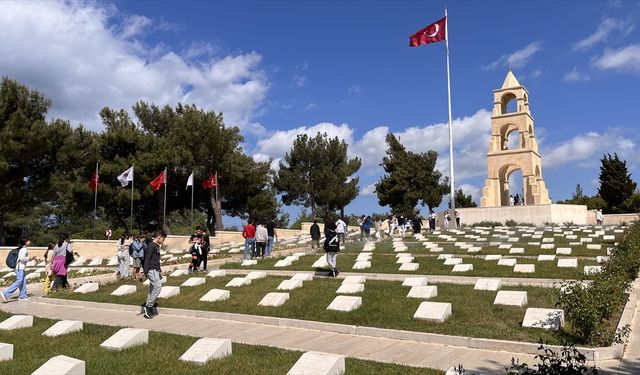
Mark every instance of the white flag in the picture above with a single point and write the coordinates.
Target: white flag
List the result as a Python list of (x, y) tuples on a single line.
[(190, 181), (126, 176)]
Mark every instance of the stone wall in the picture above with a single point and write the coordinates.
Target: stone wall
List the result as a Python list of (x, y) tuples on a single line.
[(612, 219), (532, 214)]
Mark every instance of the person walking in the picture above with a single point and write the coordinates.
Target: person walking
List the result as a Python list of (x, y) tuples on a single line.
[(21, 281), (48, 279), (331, 247), (361, 225), (314, 231), (151, 268), (457, 215), (196, 253), (62, 255), (432, 220), (416, 224), (599, 217), (205, 247), (366, 227), (262, 236), (341, 230), (249, 234), (124, 258), (447, 218), (272, 235), (137, 248)]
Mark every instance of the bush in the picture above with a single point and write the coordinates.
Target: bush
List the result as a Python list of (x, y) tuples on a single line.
[(569, 361), (589, 309), (487, 224)]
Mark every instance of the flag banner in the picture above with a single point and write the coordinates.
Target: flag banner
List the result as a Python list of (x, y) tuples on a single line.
[(435, 32), (126, 176), (190, 181), (157, 183), (210, 182), (95, 180)]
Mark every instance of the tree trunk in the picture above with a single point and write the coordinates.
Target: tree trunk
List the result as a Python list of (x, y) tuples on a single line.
[(341, 212), (217, 211)]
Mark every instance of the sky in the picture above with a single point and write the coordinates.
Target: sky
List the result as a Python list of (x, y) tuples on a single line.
[(277, 69)]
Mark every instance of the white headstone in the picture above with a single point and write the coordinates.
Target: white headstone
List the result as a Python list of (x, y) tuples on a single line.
[(63, 327), (217, 273), (290, 285), (283, 263), (507, 262), (510, 298), (238, 281), (169, 291), (97, 261), (524, 268), (474, 249), (87, 288), (516, 250), (16, 322), (163, 280), (563, 250), (452, 261), (206, 349), (194, 281), (6, 351), (345, 303), (462, 268), (316, 363), (409, 267), (402, 260), (414, 281), (215, 295), (361, 265), (274, 299), (249, 262), (594, 247), (255, 275), (493, 257), (302, 277), (433, 311), (126, 338), (505, 246), (547, 246), (602, 259), (178, 273), (444, 256), (488, 284), (568, 263), (546, 257), (350, 288), (592, 270), (423, 292), (61, 365), (354, 280), (543, 318)]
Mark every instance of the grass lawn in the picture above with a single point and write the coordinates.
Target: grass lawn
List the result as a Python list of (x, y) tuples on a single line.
[(382, 262), (384, 305), (160, 356)]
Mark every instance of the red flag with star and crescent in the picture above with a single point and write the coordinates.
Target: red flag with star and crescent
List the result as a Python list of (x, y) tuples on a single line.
[(157, 183), (435, 32), (95, 180)]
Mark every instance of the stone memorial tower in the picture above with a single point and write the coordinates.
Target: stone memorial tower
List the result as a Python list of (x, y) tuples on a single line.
[(503, 161)]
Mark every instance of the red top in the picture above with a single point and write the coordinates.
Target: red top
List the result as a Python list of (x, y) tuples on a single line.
[(249, 231)]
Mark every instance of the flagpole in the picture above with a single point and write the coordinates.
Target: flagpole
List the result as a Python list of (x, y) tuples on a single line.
[(164, 205), (452, 182), (132, 171), (192, 187), (95, 202)]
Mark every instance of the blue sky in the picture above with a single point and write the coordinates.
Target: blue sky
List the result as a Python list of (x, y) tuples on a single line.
[(281, 68)]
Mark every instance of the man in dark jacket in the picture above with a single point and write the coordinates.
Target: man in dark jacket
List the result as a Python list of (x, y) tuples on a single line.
[(314, 231), (151, 268)]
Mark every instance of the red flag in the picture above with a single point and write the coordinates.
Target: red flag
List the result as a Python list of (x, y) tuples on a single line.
[(95, 180), (430, 34), (210, 182), (157, 183)]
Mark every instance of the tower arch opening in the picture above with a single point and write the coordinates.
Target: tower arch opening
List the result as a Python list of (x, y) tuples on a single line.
[(508, 103)]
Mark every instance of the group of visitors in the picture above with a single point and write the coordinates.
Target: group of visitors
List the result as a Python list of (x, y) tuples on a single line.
[(259, 239), (516, 200), (130, 253), (200, 244)]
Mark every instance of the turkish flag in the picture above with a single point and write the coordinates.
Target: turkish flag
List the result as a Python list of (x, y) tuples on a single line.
[(95, 180), (430, 34), (210, 182), (157, 183)]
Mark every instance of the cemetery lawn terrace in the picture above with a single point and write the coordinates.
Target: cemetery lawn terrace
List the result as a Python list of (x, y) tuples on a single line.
[(384, 305), (160, 356)]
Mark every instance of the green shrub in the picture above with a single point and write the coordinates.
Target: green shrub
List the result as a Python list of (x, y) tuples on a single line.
[(487, 224), (568, 361)]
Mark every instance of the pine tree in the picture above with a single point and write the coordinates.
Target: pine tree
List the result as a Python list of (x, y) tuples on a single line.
[(616, 184), (464, 200)]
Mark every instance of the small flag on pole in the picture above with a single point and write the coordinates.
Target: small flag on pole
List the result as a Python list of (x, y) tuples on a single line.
[(126, 176), (95, 180), (189, 181), (157, 183), (435, 32), (210, 182)]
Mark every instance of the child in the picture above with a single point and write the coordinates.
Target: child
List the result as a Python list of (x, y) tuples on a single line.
[(331, 247), (49, 277), (196, 253)]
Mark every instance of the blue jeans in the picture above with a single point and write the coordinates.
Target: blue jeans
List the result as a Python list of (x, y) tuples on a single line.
[(249, 242), (269, 246), (21, 282)]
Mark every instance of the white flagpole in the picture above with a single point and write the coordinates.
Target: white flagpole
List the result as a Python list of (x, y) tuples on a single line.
[(95, 203), (192, 187), (132, 171), (452, 182), (164, 206)]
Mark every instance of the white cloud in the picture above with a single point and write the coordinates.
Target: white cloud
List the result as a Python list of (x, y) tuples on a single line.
[(354, 89), (586, 147), (602, 33), (623, 59), (575, 76), (85, 56), (474, 191), (369, 190), (517, 59), (298, 81)]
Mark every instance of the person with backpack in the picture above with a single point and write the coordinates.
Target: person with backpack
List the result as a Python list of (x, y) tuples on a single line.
[(124, 260), (151, 267), (20, 266), (62, 258), (331, 247), (136, 251)]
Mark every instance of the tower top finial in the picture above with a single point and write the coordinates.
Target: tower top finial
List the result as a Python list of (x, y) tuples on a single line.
[(510, 80)]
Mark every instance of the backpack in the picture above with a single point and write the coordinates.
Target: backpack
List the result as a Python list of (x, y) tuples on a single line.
[(12, 258), (331, 242), (131, 249)]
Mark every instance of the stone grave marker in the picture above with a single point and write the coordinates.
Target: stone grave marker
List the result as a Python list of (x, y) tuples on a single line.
[(350, 288), (206, 349), (543, 318), (316, 363), (179, 273), (444, 256), (16, 322), (345, 303), (511, 298), (405, 259), (6, 351), (493, 257), (563, 251), (516, 250), (524, 268), (63, 327), (126, 338), (354, 280), (217, 273), (361, 265), (452, 261), (255, 275), (274, 299), (462, 268), (249, 262), (290, 285), (433, 311), (238, 281), (409, 267), (423, 291), (302, 277), (507, 262), (169, 291), (414, 281), (61, 365), (87, 288), (594, 246), (592, 270), (164, 280), (194, 281), (568, 263), (492, 284), (546, 257)]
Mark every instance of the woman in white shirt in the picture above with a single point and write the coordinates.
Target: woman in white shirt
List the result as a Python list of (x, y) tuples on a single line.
[(21, 281)]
